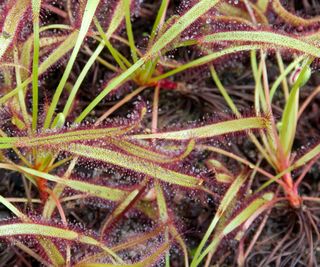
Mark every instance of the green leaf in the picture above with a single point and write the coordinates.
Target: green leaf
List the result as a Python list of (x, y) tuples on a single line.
[(49, 247), (314, 152), (53, 58), (100, 191), (146, 262), (12, 208), (247, 213), (159, 19), (223, 91), (252, 209), (148, 154), (224, 205), (126, 6), (117, 17), (210, 130), (212, 55), (36, 4), (90, 9), (290, 115), (135, 164), (163, 215), (119, 209), (11, 24), (275, 40), (182, 23), (62, 138), (283, 75), (36, 229), (263, 4)]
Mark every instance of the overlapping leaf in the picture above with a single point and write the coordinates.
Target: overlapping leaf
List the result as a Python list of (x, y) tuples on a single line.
[(11, 24)]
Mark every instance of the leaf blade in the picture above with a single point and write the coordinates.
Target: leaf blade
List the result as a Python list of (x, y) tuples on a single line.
[(211, 130), (134, 164)]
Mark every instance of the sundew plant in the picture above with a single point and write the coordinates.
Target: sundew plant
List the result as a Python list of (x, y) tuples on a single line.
[(159, 133)]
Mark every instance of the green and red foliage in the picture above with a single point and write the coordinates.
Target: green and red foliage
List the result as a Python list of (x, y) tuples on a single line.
[(103, 145)]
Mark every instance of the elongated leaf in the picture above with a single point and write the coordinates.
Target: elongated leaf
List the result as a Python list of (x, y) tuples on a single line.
[(186, 20), (291, 18), (273, 39), (117, 17), (251, 209), (212, 55), (290, 116), (49, 247), (26, 51), (146, 262), (314, 152), (135, 164), (159, 20), (148, 154), (182, 23), (211, 130), (281, 77), (224, 92), (100, 191), (132, 242), (307, 157), (289, 122), (90, 9), (119, 209), (227, 199), (163, 215), (52, 59), (247, 213), (133, 51), (11, 23), (60, 138), (12, 208), (36, 229), (36, 4)]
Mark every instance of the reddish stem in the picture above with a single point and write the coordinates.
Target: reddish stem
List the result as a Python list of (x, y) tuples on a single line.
[(291, 191), (42, 187), (289, 188), (167, 84), (56, 10)]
